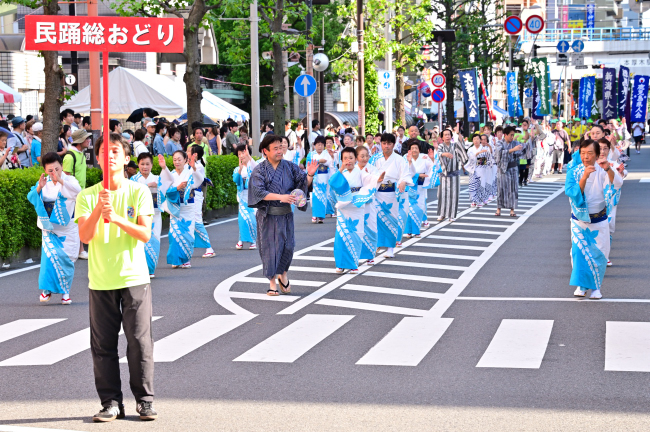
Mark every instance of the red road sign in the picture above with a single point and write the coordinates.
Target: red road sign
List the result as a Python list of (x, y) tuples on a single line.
[(438, 80), (105, 34), (535, 24), (513, 25), (438, 95)]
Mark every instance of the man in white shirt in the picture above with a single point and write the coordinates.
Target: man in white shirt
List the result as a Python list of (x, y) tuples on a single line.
[(638, 132), (401, 139), (290, 134), (315, 132)]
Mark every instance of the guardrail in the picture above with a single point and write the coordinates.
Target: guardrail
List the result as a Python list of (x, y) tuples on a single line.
[(595, 34)]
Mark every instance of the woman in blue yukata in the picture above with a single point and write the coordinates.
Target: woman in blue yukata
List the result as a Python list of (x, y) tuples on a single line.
[(53, 197), (241, 176), (178, 188), (417, 194), (591, 186), (201, 238), (144, 176), (354, 188), (319, 195), (369, 239)]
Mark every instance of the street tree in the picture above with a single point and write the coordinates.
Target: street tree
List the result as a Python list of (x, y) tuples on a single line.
[(193, 15), (54, 91)]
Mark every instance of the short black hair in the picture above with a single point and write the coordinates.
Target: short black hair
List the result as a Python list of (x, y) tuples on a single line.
[(369, 134), (498, 129), (160, 126), (508, 130), (349, 130), (49, 158), (602, 122), (268, 140), (414, 142), (145, 155), (65, 113), (112, 124), (319, 140), (231, 124), (606, 142), (360, 149), (139, 134), (287, 122), (388, 137), (181, 152), (377, 135), (329, 138), (241, 147), (85, 121), (314, 123), (602, 129), (28, 118), (349, 150), (442, 134), (114, 137), (198, 151), (401, 127), (587, 143), (132, 164), (77, 116)]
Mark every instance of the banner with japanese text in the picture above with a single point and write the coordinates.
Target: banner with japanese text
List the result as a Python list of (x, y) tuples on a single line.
[(610, 100), (105, 34), (540, 70), (514, 103), (639, 99), (581, 99), (623, 90), (591, 19), (587, 90), (470, 94), (536, 102)]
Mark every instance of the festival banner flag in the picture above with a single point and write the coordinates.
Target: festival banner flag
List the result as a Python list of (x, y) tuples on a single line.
[(591, 19), (609, 94), (514, 103), (470, 95), (639, 99), (540, 70), (623, 90), (572, 109), (587, 96), (559, 92), (536, 102), (581, 98), (485, 96)]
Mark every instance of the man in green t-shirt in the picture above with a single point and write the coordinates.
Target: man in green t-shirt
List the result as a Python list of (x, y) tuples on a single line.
[(116, 224)]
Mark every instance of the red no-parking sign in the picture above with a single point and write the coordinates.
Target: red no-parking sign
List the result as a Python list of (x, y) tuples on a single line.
[(513, 25)]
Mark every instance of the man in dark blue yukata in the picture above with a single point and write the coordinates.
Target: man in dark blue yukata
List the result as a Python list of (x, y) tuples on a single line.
[(270, 187)]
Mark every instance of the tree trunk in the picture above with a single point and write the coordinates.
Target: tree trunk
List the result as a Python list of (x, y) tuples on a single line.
[(400, 112), (53, 90), (278, 73), (192, 77)]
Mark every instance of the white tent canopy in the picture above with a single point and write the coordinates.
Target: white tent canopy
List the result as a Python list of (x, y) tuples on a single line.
[(131, 89), (9, 95)]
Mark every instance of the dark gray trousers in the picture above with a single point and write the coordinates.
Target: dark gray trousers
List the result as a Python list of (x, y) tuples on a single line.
[(130, 308)]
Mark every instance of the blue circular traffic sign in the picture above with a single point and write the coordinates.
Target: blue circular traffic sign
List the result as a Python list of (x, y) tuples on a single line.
[(304, 85), (528, 92), (563, 46), (512, 25), (578, 45), (438, 95)]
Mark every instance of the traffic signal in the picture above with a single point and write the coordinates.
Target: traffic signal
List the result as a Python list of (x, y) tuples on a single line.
[(535, 50)]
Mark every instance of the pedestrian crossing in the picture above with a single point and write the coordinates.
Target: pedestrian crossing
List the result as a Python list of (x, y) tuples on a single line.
[(515, 344)]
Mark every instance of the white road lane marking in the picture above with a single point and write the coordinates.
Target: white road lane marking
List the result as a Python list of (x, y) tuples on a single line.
[(407, 343), (55, 351), (392, 291), (437, 255), (258, 296), (462, 230), (518, 344), (23, 326), (372, 307), (423, 265), (446, 246), (312, 258), (474, 224), (192, 337), (627, 346), (296, 282), (292, 342), (410, 277), (469, 239)]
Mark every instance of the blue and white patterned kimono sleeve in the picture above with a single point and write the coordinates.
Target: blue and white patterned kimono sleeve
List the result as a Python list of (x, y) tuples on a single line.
[(246, 218)]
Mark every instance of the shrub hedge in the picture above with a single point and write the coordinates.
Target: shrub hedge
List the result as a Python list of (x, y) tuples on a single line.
[(18, 217)]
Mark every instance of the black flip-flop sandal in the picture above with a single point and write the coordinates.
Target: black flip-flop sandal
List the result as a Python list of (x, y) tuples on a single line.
[(497, 214), (272, 292), (286, 289), (513, 214)]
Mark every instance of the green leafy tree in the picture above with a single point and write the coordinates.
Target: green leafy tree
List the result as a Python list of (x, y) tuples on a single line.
[(54, 93), (193, 14)]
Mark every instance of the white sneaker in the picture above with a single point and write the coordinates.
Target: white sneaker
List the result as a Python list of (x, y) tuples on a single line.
[(83, 255), (596, 295), (579, 292), (609, 263), (65, 299)]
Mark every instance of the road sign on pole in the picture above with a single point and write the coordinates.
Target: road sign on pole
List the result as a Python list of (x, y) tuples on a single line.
[(535, 24), (513, 25), (563, 46), (562, 59), (528, 92), (438, 95), (386, 88), (304, 85), (578, 45), (438, 80)]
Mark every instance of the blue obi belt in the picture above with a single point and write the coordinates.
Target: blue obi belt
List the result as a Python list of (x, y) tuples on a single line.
[(595, 217)]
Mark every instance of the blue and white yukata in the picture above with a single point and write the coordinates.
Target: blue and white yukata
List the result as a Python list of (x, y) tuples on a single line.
[(60, 248), (201, 238), (179, 203), (294, 155), (590, 242), (354, 189), (393, 205), (417, 195), (320, 187), (480, 175), (613, 158), (369, 239), (152, 247), (246, 219)]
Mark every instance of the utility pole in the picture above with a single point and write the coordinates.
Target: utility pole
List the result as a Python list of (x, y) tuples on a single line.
[(255, 76), (440, 39), (74, 62), (388, 109), (362, 104), (321, 90), (310, 65)]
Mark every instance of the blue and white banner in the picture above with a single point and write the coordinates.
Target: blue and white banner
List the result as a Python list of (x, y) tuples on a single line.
[(514, 103), (609, 94), (591, 19), (470, 93), (586, 99), (559, 92), (639, 99), (623, 90), (536, 102)]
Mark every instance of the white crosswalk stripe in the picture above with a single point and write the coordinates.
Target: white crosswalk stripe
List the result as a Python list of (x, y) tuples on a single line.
[(23, 326), (627, 346)]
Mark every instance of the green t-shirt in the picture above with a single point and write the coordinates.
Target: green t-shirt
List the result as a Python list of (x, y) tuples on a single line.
[(74, 163), (115, 259)]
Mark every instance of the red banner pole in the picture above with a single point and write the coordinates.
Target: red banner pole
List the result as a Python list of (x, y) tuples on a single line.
[(106, 120)]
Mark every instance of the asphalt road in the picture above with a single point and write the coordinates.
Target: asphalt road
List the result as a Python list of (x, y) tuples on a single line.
[(471, 327)]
